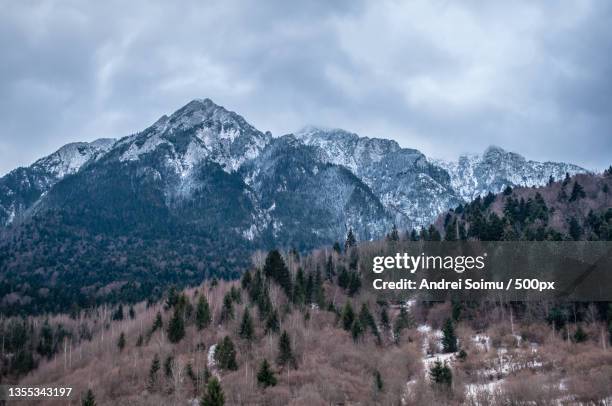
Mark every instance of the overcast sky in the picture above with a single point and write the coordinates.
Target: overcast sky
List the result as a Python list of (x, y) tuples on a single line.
[(445, 77)]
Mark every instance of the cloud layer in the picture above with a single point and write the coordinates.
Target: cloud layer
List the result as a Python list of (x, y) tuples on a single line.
[(440, 76)]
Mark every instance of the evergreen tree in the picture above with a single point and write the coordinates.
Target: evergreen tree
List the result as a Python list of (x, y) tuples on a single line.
[(202, 313), (246, 280), (575, 231), (46, 346), (299, 289), (168, 366), (580, 335), (329, 268), (414, 236), (434, 234), (308, 292), (354, 283), (337, 248), (152, 381), (350, 241), (132, 313), (285, 353), (89, 399), (225, 354), (176, 327), (214, 394), (227, 311), (264, 304), (393, 236), (343, 278), (450, 231), (366, 319), (384, 318), (348, 316), (440, 373), (272, 323), (356, 330), (378, 382), (577, 192), (265, 375), (172, 298), (449, 339), (402, 322), (507, 191), (121, 342), (118, 314), (246, 326), (275, 269), (318, 291), (157, 323)]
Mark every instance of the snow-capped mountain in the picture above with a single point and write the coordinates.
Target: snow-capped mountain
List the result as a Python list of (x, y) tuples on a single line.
[(22, 187), (476, 175), (206, 168), (406, 183)]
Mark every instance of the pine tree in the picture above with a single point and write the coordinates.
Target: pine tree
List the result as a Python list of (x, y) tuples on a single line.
[(351, 241), (440, 373), (356, 330), (299, 289), (348, 316), (46, 347), (414, 236), (449, 339), (275, 269), (214, 394), (265, 375), (152, 381), (225, 354), (329, 268), (168, 366), (89, 399), (577, 192), (118, 314), (246, 280), (318, 291), (202, 313), (272, 323), (285, 353), (366, 319), (337, 248), (378, 382), (580, 336), (246, 326), (354, 283), (384, 318), (172, 298), (393, 236), (121, 342), (227, 311), (343, 278), (434, 234), (157, 323), (575, 231), (176, 327)]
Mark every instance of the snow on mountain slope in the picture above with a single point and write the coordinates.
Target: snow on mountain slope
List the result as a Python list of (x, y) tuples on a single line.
[(476, 175), (201, 129), (22, 187), (407, 184)]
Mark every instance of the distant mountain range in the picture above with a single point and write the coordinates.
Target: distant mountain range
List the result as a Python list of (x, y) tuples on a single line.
[(209, 168)]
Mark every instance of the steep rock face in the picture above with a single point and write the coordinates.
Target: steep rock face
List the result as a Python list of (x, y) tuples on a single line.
[(22, 187), (309, 201), (476, 175), (411, 188)]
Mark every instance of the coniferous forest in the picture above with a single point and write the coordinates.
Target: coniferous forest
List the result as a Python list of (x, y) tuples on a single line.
[(285, 326)]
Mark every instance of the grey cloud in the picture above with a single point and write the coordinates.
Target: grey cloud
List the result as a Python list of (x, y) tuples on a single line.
[(443, 77)]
